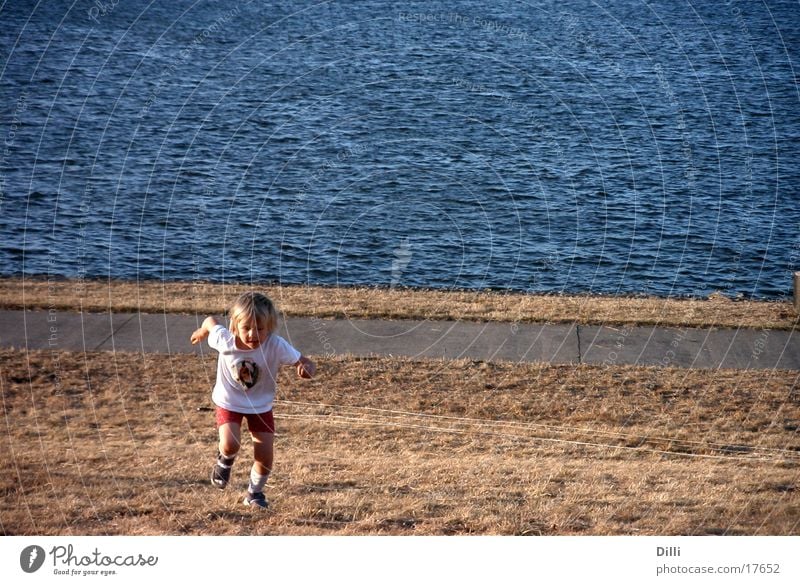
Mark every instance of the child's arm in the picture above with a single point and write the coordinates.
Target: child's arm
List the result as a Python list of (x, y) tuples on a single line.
[(305, 367), (202, 333)]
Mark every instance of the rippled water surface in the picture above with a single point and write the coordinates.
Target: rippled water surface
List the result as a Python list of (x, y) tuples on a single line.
[(545, 146)]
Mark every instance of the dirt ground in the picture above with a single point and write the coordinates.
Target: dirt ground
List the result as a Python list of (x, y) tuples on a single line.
[(123, 443)]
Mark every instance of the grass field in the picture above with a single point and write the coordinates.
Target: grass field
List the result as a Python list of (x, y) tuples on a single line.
[(381, 303), (103, 443)]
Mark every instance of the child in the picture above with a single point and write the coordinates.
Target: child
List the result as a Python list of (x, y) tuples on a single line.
[(249, 357)]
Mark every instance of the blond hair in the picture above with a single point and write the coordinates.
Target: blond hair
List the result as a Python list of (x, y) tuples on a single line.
[(257, 305)]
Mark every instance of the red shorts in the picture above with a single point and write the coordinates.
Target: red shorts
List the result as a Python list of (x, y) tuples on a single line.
[(257, 423)]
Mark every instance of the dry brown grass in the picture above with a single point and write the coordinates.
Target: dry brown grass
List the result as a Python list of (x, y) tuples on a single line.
[(104, 443), (205, 298)]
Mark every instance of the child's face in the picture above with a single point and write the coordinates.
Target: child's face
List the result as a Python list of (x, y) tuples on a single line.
[(250, 332)]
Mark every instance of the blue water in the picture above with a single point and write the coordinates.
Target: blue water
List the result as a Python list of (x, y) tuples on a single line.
[(543, 146)]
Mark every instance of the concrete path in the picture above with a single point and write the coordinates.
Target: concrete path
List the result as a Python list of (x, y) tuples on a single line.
[(557, 344)]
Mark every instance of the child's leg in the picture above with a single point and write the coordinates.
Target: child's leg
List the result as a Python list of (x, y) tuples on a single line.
[(262, 466), (229, 439), (229, 442), (262, 429), (263, 453)]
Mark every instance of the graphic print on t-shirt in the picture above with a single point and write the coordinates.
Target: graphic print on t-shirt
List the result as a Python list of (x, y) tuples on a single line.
[(245, 372)]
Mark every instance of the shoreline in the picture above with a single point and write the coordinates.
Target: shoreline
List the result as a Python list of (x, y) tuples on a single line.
[(267, 284), (352, 302)]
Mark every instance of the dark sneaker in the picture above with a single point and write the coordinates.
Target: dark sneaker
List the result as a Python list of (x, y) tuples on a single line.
[(256, 500), (220, 475)]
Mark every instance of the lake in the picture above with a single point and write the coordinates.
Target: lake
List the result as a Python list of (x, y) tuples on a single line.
[(551, 147)]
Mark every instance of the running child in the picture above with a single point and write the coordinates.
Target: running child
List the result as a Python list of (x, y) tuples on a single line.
[(250, 354)]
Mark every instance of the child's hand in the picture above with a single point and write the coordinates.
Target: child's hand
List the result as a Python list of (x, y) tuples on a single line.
[(199, 335), (305, 368)]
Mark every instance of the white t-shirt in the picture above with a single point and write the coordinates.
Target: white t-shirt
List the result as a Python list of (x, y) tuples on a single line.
[(246, 377)]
